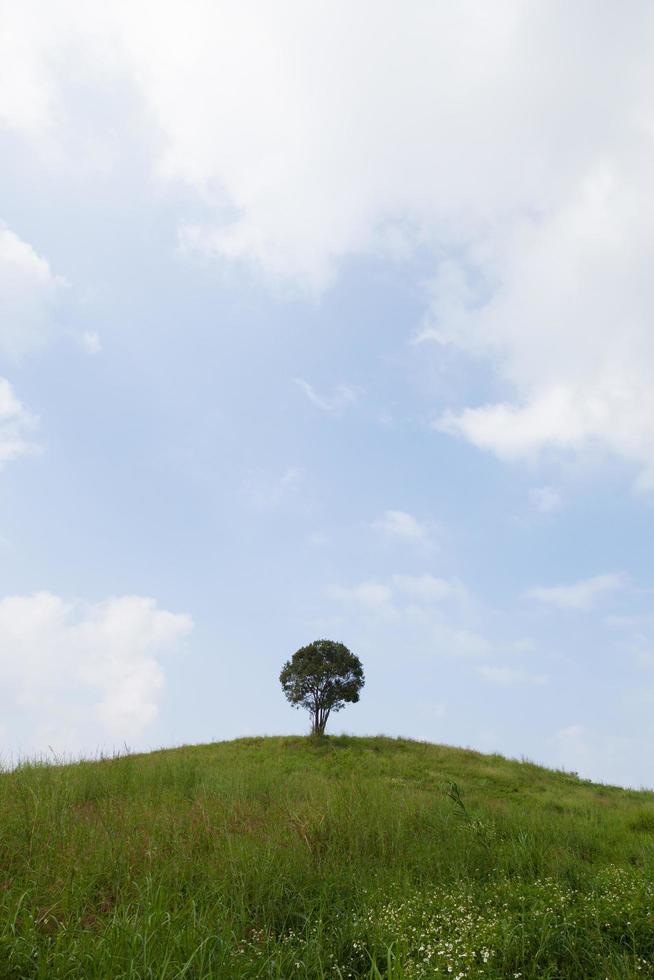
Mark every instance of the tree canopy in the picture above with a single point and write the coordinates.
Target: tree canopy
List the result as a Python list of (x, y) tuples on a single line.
[(322, 677)]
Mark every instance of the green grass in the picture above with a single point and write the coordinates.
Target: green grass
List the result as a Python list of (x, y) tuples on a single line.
[(345, 857)]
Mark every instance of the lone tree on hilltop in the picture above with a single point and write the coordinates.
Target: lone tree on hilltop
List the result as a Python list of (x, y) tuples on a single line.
[(322, 677)]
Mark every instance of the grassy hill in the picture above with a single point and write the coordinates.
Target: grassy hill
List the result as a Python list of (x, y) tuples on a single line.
[(347, 857)]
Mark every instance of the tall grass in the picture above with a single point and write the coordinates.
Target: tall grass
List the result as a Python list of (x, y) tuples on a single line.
[(341, 857)]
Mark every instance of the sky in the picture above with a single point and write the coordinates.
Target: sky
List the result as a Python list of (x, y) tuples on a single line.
[(328, 320)]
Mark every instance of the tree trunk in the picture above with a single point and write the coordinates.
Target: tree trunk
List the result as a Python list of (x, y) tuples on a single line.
[(319, 720)]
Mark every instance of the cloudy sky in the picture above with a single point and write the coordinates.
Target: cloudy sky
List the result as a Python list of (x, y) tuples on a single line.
[(328, 320)]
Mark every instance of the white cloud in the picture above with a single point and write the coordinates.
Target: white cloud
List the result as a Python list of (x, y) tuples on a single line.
[(91, 342), (372, 595), (425, 617), (603, 756), (572, 731), (569, 323), (416, 588), (579, 595), (25, 85), (267, 492), (80, 676), (335, 404), (399, 524), (457, 641), (427, 588), (419, 615), (525, 644), (318, 539), (545, 499), (508, 676), (15, 425), (28, 292), (306, 144)]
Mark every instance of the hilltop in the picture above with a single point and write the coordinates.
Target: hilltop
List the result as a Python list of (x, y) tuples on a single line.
[(344, 857)]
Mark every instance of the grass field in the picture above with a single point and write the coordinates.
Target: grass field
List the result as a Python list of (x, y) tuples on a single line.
[(343, 857)]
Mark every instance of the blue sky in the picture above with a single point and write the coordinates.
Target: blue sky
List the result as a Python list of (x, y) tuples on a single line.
[(317, 322)]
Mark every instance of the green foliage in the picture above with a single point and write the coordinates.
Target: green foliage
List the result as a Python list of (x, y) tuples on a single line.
[(332, 858), (322, 677)]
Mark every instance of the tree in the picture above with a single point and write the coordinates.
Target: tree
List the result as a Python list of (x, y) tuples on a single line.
[(322, 677)]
